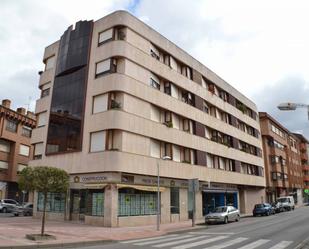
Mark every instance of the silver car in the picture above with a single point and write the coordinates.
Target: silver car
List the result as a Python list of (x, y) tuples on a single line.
[(9, 206), (223, 214)]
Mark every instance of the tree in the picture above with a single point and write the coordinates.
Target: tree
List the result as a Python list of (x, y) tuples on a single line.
[(44, 179)]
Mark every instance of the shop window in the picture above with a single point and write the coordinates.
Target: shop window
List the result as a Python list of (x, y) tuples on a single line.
[(55, 202), (11, 126), (133, 202), (174, 200), (97, 204)]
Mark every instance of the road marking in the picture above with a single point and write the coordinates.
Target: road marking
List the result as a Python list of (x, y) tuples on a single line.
[(201, 233), (180, 241), (198, 243), (228, 243), (146, 239), (255, 244), (282, 244), (154, 241)]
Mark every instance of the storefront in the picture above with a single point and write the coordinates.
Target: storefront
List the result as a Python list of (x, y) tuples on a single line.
[(215, 195)]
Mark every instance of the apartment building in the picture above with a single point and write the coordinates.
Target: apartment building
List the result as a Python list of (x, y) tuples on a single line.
[(304, 155), (120, 97), (15, 148), (282, 157)]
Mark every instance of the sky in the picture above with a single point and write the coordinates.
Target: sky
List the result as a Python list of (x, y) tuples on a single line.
[(259, 47)]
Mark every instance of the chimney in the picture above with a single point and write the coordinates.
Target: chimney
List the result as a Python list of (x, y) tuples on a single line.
[(21, 110), (6, 103), (31, 115)]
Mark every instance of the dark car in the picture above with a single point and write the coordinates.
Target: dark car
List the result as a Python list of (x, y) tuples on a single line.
[(263, 209), (28, 209)]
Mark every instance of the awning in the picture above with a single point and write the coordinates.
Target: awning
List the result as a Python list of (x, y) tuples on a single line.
[(220, 191), (141, 187), (95, 185)]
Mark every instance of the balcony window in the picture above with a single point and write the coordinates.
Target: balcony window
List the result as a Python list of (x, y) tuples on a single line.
[(188, 98), (187, 155), (205, 107), (167, 88), (49, 63), (167, 150), (11, 126), (41, 119), (186, 125), (24, 150), (155, 148), (154, 84), (97, 141), (105, 67), (45, 92), (100, 103), (106, 36)]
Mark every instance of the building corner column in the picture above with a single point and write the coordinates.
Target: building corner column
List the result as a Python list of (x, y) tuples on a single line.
[(111, 206)]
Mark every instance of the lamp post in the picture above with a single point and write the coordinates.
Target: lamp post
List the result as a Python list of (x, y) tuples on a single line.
[(158, 190), (292, 107)]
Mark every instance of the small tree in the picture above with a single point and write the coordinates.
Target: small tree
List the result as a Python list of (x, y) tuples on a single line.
[(43, 179)]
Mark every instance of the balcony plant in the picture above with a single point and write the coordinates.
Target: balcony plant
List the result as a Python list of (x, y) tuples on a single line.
[(169, 124), (115, 104)]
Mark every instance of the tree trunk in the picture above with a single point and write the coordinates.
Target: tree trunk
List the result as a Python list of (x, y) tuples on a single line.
[(44, 211)]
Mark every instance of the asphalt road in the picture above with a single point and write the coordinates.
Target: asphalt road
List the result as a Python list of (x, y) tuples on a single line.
[(284, 230)]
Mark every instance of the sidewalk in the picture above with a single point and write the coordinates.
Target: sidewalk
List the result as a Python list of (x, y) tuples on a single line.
[(13, 231)]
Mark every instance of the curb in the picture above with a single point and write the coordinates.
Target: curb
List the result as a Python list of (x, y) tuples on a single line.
[(60, 245)]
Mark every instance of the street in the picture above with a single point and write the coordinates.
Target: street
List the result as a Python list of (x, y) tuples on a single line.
[(283, 230)]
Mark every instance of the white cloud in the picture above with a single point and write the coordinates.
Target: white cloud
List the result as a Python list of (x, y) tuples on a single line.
[(27, 27), (250, 44)]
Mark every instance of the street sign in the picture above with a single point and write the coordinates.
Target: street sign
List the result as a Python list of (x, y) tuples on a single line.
[(194, 185)]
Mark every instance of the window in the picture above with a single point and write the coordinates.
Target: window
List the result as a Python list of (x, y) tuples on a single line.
[(133, 202), (187, 97), (4, 165), (167, 117), (154, 84), (98, 141), (174, 200), (106, 66), (41, 119), (26, 131), (49, 63), (20, 167), (187, 155), (45, 92), (168, 150), (205, 107), (155, 148), (100, 103), (38, 150), (106, 36), (186, 125), (5, 146), (55, 202), (167, 88), (97, 207), (24, 150), (11, 126)]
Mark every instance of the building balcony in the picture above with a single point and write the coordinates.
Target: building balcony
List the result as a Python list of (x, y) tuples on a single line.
[(306, 167), (304, 157)]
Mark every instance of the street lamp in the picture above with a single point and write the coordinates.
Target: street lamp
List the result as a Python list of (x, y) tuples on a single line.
[(158, 190), (292, 107)]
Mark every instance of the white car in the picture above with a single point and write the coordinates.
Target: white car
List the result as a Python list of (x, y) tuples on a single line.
[(287, 202), (223, 214)]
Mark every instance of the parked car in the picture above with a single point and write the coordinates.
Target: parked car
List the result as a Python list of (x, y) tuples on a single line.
[(278, 207), (9, 206), (287, 202), (223, 214), (263, 209), (27, 209)]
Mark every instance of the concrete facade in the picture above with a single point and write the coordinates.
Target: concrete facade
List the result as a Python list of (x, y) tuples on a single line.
[(157, 101)]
